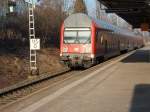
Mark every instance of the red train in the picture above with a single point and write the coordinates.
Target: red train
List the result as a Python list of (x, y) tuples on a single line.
[(85, 41)]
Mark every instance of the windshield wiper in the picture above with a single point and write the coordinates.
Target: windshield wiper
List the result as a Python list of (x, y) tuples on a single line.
[(77, 41), (87, 41), (66, 42)]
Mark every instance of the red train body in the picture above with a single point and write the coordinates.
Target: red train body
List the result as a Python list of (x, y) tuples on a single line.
[(85, 41)]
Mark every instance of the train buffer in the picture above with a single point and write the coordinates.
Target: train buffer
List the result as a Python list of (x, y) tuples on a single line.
[(121, 84)]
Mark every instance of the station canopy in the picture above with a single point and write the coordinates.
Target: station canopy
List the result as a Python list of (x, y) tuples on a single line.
[(136, 12)]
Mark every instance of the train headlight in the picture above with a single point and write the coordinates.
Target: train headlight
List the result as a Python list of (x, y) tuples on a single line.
[(61, 54), (92, 55)]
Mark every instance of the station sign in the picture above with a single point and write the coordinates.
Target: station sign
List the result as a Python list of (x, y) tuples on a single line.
[(34, 44)]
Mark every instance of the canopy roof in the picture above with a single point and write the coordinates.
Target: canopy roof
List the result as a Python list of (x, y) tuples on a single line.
[(135, 12)]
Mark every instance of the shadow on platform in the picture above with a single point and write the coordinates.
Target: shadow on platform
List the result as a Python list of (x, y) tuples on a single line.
[(140, 56), (141, 99)]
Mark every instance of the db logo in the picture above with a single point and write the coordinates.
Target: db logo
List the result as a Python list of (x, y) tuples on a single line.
[(76, 49)]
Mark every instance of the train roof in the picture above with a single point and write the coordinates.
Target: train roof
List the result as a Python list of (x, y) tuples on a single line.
[(75, 20)]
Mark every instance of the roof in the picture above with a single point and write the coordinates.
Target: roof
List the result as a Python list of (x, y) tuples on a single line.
[(135, 12), (75, 21)]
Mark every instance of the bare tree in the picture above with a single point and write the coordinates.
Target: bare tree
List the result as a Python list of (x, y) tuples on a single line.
[(80, 7), (48, 20), (49, 17)]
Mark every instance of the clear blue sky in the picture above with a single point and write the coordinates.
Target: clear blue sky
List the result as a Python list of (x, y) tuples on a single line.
[(31, 0), (91, 5), (90, 2)]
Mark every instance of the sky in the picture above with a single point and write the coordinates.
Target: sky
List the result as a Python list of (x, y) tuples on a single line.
[(31, 1), (91, 5)]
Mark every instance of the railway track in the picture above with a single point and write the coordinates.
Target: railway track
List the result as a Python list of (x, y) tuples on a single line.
[(19, 91), (22, 89)]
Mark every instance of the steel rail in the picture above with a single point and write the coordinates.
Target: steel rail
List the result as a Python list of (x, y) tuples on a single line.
[(31, 81)]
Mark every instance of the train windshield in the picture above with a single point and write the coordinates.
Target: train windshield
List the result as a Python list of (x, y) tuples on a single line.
[(77, 37)]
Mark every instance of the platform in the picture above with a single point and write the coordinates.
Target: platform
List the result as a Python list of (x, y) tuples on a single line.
[(121, 87)]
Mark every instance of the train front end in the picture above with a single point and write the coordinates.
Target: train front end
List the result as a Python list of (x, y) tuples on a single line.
[(76, 45)]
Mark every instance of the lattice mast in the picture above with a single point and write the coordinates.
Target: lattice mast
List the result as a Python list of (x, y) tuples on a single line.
[(33, 54)]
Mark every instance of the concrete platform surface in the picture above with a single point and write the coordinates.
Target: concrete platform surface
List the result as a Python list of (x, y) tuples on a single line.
[(121, 87)]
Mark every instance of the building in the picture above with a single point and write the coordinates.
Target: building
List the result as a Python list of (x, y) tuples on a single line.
[(12, 6)]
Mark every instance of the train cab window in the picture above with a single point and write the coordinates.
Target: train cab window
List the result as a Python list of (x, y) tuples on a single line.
[(77, 37), (84, 37), (70, 36)]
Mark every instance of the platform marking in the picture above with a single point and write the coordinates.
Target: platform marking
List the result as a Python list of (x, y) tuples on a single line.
[(47, 99)]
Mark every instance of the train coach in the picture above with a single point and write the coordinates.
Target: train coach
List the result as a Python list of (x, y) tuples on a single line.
[(86, 41)]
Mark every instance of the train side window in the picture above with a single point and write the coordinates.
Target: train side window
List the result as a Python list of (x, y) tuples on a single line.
[(99, 37), (113, 40), (96, 36), (96, 33), (106, 46)]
